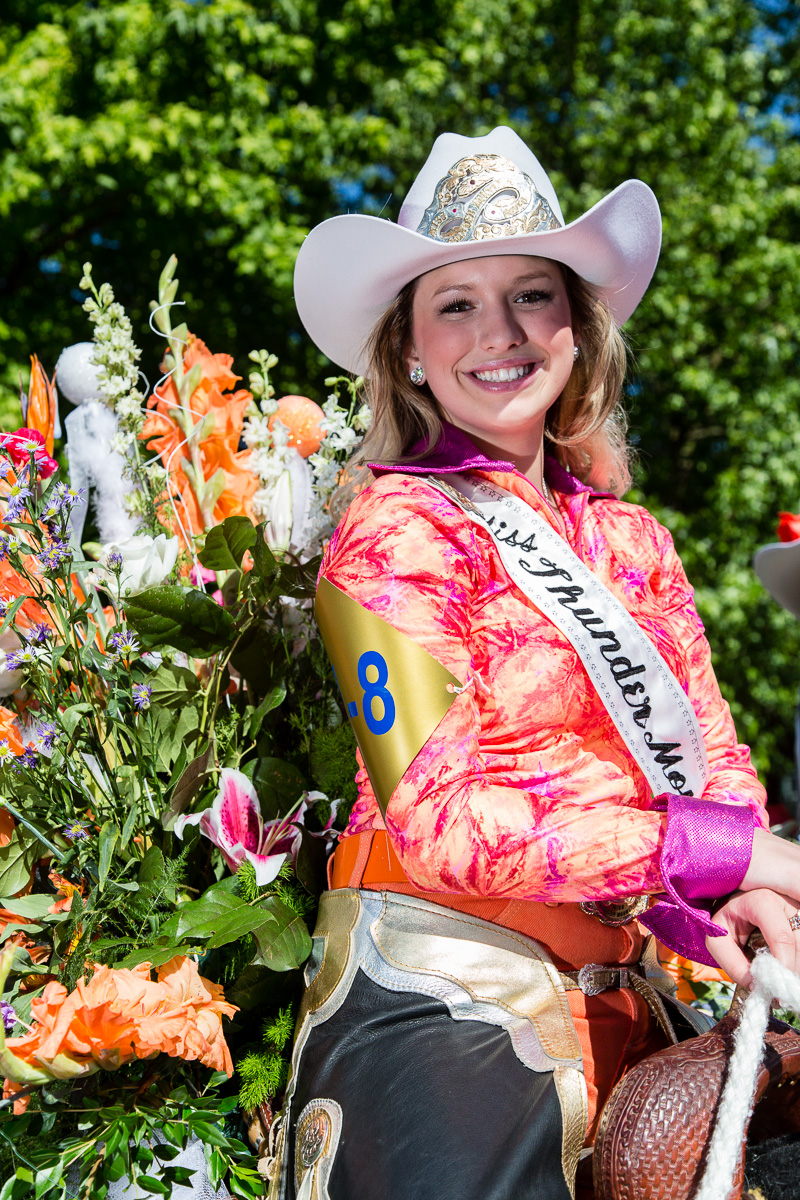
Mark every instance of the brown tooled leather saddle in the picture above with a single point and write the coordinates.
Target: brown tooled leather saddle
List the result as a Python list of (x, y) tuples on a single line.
[(652, 1138)]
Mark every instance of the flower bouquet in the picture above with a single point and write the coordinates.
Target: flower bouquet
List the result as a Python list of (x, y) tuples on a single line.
[(173, 758)]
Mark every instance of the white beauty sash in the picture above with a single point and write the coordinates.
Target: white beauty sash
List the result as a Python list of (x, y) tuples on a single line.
[(642, 696)]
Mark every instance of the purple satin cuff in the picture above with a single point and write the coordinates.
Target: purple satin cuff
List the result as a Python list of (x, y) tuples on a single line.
[(706, 853)]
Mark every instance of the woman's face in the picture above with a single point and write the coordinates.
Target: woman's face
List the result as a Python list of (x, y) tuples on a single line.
[(494, 338)]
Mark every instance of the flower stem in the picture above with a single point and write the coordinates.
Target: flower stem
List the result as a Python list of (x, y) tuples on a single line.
[(32, 828)]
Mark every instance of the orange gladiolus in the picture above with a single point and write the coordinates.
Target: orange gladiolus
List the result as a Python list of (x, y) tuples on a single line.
[(119, 1015), (9, 729), (41, 414), (302, 418), (219, 450)]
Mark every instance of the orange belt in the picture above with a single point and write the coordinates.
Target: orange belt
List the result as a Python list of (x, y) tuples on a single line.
[(365, 860), (573, 938)]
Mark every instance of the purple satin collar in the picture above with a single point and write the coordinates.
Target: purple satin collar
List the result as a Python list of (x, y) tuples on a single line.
[(457, 452)]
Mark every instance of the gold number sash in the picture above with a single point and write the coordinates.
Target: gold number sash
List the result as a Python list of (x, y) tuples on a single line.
[(395, 693)]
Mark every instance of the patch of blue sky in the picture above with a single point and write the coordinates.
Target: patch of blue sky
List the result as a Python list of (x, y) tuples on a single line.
[(97, 239)]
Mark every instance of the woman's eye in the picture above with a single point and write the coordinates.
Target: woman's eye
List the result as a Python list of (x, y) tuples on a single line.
[(533, 296), (456, 306)]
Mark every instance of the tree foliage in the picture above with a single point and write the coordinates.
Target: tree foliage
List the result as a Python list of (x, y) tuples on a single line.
[(222, 131)]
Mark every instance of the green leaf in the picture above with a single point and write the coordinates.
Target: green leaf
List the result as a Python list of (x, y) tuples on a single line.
[(11, 613), (273, 699), (47, 1178), (279, 784), (227, 543), (283, 943), (260, 657), (155, 955), (197, 773), (189, 620), (209, 1133), (171, 684), (17, 860), (71, 717), (300, 579), (27, 906), (109, 836), (11, 927), (151, 866), (129, 826), (183, 1175), (219, 917), (151, 1184), (167, 1153), (256, 987), (266, 567)]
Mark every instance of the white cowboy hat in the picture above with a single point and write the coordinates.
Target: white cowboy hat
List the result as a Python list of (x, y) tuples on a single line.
[(778, 567), (474, 197)]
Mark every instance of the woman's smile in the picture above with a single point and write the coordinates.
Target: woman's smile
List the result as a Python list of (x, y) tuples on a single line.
[(504, 376)]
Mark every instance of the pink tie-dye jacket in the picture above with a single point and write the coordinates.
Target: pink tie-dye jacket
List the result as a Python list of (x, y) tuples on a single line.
[(526, 789)]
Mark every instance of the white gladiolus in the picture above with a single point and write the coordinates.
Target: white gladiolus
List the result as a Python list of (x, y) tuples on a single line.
[(278, 531), (146, 561)]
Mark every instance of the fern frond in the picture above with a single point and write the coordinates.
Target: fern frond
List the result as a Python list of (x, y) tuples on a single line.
[(278, 1031), (262, 1075)]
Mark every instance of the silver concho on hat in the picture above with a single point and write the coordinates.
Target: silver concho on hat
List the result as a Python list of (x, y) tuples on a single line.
[(485, 196)]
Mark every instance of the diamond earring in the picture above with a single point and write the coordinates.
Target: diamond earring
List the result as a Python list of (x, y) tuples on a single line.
[(417, 376), (575, 351)]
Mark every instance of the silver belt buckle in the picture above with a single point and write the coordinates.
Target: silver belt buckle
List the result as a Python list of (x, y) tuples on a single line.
[(616, 912), (594, 978)]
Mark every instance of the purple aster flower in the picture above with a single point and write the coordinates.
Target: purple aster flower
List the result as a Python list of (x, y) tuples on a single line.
[(39, 633), (71, 496), (123, 643), (8, 1015), (9, 545), (141, 696), (20, 659), (7, 755), (62, 498), (25, 761), (76, 831), (17, 495), (56, 554), (44, 735)]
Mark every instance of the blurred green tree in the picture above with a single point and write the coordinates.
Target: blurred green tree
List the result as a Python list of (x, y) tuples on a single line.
[(222, 131)]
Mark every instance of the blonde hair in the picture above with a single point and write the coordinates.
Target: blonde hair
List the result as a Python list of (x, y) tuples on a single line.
[(586, 426)]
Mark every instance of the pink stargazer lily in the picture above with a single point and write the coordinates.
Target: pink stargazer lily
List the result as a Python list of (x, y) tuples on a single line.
[(234, 823)]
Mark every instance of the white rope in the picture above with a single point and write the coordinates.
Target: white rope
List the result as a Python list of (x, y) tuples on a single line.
[(771, 981)]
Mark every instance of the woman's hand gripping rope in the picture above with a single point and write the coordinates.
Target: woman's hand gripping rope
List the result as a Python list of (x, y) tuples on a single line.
[(768, 899)]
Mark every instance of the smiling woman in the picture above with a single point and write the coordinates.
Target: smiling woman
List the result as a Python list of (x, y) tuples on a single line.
[(494, 339), (549, 772)]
